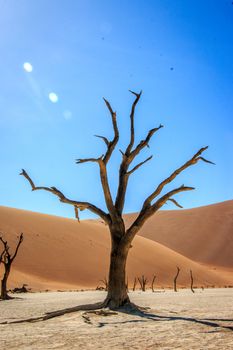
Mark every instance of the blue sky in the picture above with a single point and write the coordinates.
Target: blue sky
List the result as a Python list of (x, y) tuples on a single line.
[(180, 53)]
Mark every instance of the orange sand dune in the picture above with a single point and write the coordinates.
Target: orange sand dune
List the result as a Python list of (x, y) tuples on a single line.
[(203, 234), (60, 253)]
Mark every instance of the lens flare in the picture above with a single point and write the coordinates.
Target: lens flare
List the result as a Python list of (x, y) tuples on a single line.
[(67, 114), (27, 67), (53, 97)]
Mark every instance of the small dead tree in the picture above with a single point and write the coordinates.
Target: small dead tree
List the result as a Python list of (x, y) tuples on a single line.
[(175, 278), (7, 259), (134, 284), (122, 237), (191, 277), (143, 282), (105, 283), (152, 283)]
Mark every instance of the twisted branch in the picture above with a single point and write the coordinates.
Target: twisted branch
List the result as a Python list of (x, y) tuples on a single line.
[(186, 165), (131, 143), (6, 257), (64, 199), (111, 144), (148, 211)]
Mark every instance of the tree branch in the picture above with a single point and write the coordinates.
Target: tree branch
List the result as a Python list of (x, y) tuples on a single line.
[(5, 254), (189, 163), (161, 201), (123, 172), (104, 139), (148, 211), (131, 143), (85, 160), (138, 165), (145, 142), (106, 188), (64, 199), (1, 256), (104, 181), (17, 247), (111, 144), (76, 213), (175, 202)]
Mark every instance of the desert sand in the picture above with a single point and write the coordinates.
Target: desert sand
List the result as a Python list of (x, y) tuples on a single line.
[(182, 320), (203, 234), (60, 253)]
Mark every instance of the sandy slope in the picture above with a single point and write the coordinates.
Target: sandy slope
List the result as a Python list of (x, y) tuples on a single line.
[(203, 234), (180, 320), (60, 253)]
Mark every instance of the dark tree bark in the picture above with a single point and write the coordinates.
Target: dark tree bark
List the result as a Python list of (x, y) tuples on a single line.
[(7, 259), (121, 237), (117, 289), (143, 282), (191, 277), (152, 283), (175, 278), (134, 284)]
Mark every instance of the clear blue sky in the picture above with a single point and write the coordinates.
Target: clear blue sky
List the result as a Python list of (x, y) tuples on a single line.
[(180, 53)]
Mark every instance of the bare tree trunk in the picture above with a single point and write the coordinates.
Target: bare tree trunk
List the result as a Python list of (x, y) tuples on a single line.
[(152, 283), (117, 290), (175, 279), (143, 282), (4, 295), (191, 286), (134, 284)]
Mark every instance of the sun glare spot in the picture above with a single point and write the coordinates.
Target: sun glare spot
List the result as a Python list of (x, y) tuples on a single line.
[(67, 114), (27, 67), (53, 97)]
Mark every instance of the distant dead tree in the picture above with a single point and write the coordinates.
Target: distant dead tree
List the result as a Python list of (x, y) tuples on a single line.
[(191, 277), (152, 283), (105, 283), (175, 278), (143, 282), (122, 237), (7, 259), (22, 289), (134, 284)]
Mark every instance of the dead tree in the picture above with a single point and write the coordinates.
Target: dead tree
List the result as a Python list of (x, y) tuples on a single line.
[(152, 283), (7, 260), (105, 283), (175, 278), (121, 238), (134, 284), (191, 277), (143, 282)]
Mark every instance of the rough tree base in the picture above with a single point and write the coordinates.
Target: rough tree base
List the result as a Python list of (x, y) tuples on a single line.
[(6, 297)]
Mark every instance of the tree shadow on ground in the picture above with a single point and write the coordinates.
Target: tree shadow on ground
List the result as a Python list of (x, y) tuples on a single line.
[(204, 321), (130, 309)]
